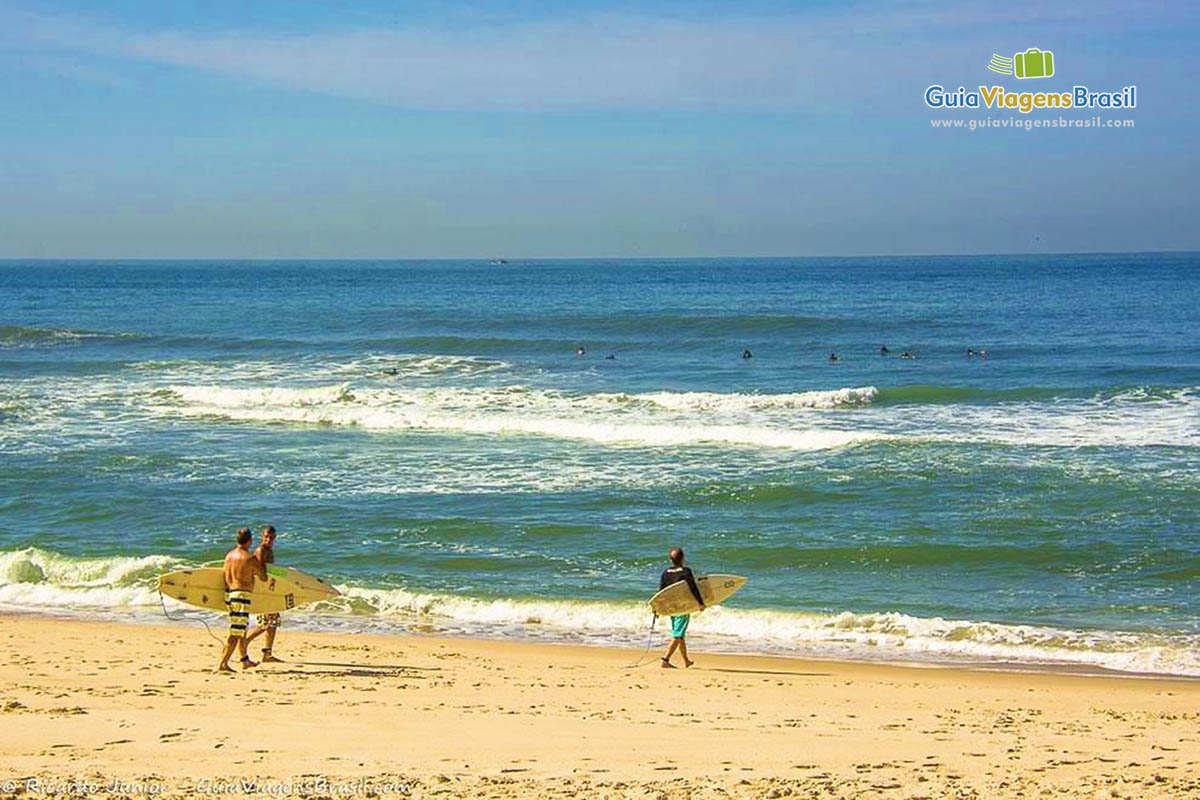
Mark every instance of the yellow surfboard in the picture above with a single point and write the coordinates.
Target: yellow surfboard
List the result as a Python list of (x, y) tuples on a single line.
[(678, 598), (284, 589)]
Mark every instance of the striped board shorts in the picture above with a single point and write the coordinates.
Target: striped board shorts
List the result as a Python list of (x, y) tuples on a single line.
[(237, 601)]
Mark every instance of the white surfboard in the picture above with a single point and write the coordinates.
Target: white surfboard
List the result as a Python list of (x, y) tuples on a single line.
[(284, 589), (678, 598)]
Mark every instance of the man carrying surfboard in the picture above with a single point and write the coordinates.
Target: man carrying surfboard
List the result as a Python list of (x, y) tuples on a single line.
[(679, 624), (267, 623), (240, 570)]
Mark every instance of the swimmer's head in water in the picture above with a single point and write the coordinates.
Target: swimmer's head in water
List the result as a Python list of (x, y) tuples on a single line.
[(244, 536), (676, 556)]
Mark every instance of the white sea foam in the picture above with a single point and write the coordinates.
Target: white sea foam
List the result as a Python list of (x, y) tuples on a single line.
[(382, 366), (36, 579), (494, 411), (1129, 419), (403, 366), (51, 597), (34, 565), (15, 336), (889, 636), (737, 402), (106, 409)]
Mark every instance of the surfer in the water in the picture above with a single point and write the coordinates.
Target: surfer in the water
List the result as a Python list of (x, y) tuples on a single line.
[(267, 623), (241, 568), (674, 574)]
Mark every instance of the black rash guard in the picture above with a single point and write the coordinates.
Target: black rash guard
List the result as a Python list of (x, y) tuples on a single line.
[(675, 575)]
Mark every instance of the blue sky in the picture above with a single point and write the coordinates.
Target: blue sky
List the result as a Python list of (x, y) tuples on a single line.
[(388, 130)]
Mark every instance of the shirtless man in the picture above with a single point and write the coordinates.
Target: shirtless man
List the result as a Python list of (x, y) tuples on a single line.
[(241, 568), (267, 623)]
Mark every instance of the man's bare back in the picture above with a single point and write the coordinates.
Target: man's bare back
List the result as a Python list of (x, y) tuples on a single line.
[(241, 568)]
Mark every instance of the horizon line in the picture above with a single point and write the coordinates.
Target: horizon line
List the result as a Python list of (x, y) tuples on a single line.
[(510, 259)]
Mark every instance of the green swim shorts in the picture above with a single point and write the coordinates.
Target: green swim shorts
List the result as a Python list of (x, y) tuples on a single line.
[(679, 625)]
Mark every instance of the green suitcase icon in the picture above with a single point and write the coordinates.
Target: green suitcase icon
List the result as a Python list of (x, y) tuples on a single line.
[(1034, 63)]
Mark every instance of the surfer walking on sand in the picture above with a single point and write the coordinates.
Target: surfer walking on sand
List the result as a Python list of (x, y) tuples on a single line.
[(241, 569), (679, 624), (267, 623)]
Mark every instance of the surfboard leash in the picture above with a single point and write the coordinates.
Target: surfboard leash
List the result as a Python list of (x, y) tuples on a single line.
[(649, 641), (181, 618)]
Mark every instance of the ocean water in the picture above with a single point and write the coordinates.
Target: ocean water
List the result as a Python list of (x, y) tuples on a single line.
[(425, 435)]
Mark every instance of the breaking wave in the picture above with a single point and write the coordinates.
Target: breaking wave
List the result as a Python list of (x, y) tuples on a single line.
[(810, 420), (38, 578), (885, 636), (34, 579), (21, 336), (602, 419)]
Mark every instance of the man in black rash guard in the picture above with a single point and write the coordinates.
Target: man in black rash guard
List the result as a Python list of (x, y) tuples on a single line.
[(679, 624)]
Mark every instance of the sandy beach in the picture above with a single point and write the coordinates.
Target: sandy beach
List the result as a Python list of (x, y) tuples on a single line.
[(97, 707), (463, 339)]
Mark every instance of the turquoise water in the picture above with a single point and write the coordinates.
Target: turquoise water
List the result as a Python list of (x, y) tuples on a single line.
[(424, 435)]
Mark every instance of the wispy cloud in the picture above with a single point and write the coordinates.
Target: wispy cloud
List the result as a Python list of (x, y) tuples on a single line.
[(784, 62), (74, 69)]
